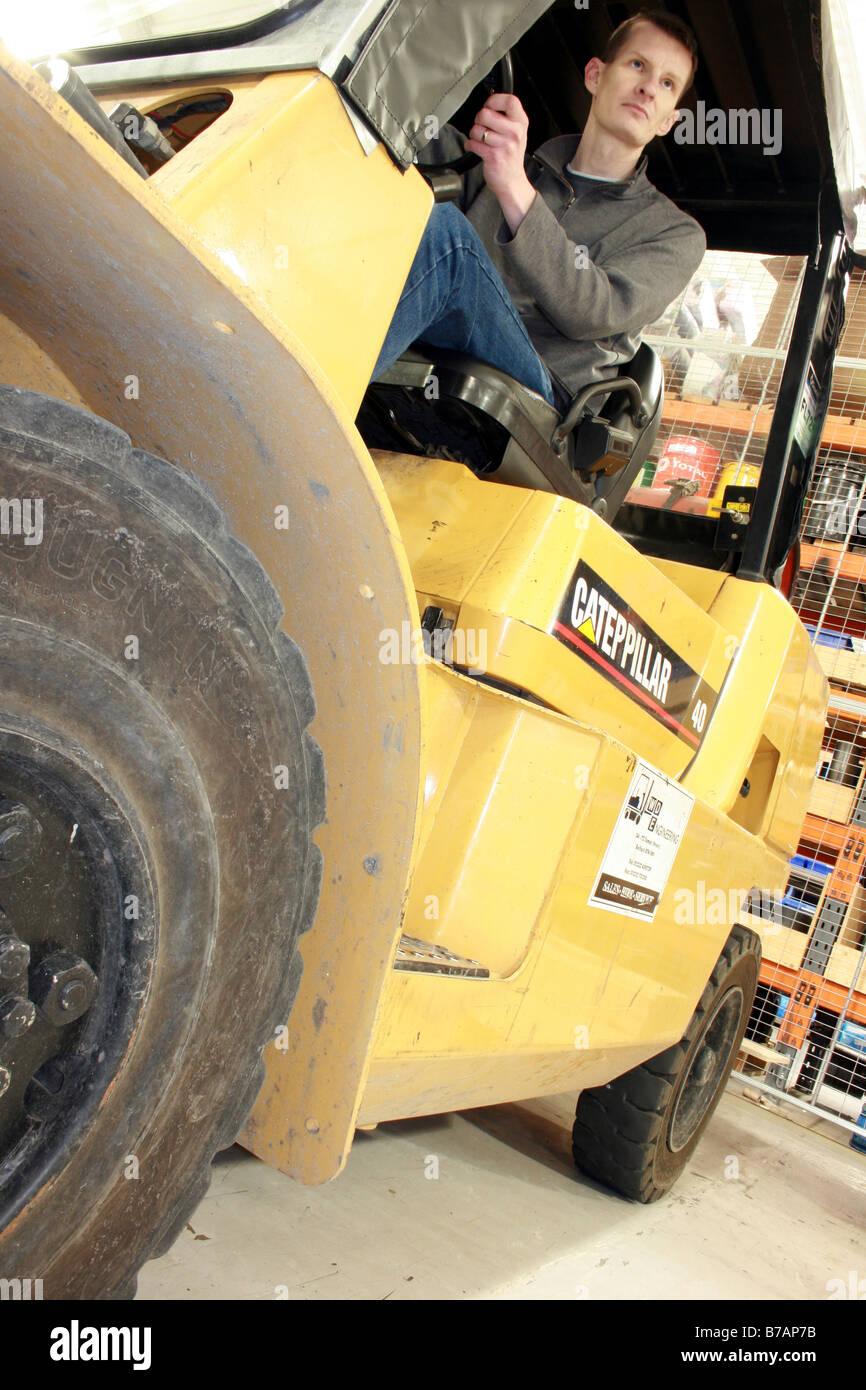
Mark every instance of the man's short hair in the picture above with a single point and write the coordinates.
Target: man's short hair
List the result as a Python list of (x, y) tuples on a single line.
[(668, 23)]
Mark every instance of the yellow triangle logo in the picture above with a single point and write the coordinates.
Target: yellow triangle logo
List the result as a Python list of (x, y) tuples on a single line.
[(586, 630)]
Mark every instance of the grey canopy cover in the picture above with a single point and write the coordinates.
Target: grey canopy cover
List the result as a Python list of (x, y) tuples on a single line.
[(423, 59)]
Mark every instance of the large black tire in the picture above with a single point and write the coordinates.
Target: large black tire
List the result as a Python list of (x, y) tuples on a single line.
[(176, 790), (637, 1133)]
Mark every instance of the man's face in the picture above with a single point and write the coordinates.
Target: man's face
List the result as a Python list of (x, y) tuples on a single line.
[(635, 95)]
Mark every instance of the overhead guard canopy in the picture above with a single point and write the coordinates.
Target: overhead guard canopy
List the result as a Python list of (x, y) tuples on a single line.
[(425, 57)]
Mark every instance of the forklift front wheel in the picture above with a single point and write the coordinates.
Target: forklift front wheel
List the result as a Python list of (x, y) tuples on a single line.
[(637, 1133), (158, 796)]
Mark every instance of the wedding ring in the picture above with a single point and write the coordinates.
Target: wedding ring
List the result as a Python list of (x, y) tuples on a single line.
[(484, 137)]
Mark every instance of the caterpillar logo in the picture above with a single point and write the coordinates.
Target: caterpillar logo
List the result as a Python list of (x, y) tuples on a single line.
[(594, 617), (607, 632)]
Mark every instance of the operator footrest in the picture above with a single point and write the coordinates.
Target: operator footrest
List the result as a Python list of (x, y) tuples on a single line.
[(430, 959)]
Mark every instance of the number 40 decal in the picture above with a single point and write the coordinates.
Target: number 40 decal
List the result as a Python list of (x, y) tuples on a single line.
[(699, 715)]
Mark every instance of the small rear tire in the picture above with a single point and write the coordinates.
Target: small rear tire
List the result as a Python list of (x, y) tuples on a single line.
[(637, 1133)]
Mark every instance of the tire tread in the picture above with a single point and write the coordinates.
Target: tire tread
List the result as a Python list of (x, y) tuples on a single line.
[(617, 1125), (43, 421)]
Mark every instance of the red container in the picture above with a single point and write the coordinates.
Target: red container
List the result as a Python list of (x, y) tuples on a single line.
[(688, 458)]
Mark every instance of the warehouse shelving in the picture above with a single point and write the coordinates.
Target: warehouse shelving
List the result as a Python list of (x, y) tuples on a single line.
[(813, 978), (813, 981)]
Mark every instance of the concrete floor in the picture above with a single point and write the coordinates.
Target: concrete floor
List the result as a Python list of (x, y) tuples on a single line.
[(768, 1209)]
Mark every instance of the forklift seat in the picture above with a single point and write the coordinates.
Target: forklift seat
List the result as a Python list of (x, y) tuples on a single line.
[(440, 403)]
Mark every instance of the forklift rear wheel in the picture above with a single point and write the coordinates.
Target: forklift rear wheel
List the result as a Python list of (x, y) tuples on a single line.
[(158, 794), (638, 1133)]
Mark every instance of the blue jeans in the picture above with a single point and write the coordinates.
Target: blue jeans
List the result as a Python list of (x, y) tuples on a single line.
[(455, 298)]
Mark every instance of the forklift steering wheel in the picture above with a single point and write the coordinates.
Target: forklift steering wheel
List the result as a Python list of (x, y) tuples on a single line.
[(499, 79)]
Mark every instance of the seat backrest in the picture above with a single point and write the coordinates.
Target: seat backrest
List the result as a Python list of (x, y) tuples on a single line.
[(646, 370)]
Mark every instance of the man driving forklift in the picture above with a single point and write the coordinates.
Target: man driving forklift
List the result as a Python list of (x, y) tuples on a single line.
[(561, 261)]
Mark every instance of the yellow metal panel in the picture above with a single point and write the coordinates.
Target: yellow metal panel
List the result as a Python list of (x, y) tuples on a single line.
[(510, 889), (775, 689), (805, 711), (499, 561), (582, 980), (403, 1086), (26, 364), (105, 277), (499, 826), (450, 524), (503, 559), (280, 188), (701, 585)]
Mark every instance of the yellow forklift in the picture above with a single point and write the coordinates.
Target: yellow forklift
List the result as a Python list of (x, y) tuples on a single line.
[(289, 673)]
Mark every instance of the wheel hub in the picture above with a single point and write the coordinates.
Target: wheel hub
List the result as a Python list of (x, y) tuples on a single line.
[(72, 975), (704, 1076)]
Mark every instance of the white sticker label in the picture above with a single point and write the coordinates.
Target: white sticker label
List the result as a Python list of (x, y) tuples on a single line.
[(641, 851)]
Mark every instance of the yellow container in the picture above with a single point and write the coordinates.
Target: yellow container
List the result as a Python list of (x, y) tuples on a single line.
[(746, 474)]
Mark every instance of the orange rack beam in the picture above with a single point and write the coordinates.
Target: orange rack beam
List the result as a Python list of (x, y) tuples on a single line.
[(828, 994), (839, 432)]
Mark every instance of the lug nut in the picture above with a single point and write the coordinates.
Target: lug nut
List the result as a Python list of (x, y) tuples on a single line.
[(73, 996), (63, 986), (20, 836), (14, 957), (16, 1015)]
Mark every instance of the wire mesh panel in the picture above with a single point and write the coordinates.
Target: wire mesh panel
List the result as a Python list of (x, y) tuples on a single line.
[(723, 345), (806, 1040)]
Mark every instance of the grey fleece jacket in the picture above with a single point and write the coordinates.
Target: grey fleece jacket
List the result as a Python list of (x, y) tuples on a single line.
[(585, 312)]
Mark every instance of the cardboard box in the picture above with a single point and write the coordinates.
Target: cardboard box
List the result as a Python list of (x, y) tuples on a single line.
[(779, 946), (853, 931), (832, 800), (845, 966), (843, 667)]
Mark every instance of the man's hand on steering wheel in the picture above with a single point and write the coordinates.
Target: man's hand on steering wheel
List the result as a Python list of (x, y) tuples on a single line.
[(498, 137)]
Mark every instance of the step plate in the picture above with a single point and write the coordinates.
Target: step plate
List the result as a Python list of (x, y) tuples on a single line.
[(430, 959)]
